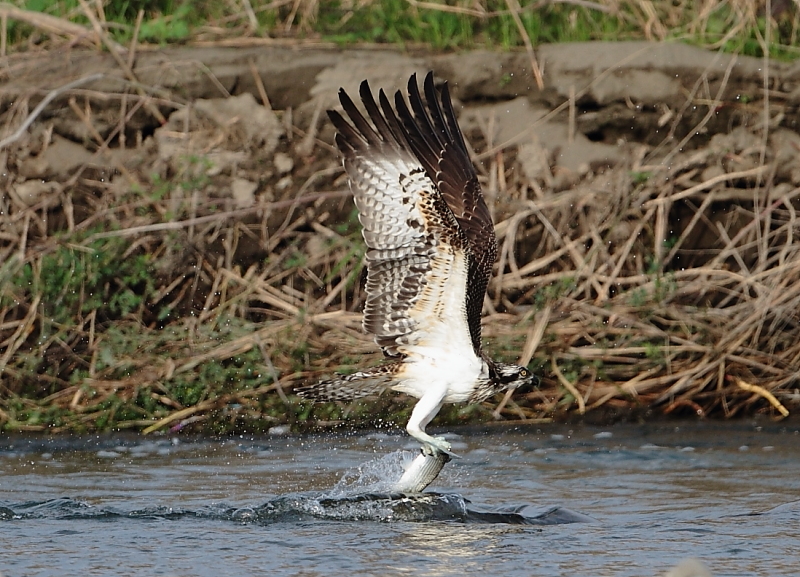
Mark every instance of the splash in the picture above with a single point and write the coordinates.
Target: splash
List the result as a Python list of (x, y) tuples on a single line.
[(376, 476)]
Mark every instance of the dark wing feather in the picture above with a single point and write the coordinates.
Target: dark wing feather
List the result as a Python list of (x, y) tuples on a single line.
[(436, 140)]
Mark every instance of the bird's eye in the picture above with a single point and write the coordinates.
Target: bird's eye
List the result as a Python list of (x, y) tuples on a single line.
[(523, 372)]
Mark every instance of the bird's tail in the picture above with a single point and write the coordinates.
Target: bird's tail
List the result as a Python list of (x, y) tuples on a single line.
[(347, 387)]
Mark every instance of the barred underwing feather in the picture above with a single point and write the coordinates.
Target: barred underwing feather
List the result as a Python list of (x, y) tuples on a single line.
[(386, 157), (411, 234), (354, 386)]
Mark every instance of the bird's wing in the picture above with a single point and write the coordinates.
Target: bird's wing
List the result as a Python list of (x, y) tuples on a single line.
[(435, 139), (354, 386), (417, 262)]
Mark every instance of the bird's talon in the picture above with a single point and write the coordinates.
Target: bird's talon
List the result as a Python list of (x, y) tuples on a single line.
[(438, 445)]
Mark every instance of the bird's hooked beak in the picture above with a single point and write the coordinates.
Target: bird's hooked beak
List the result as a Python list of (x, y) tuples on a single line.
[(532, 383)]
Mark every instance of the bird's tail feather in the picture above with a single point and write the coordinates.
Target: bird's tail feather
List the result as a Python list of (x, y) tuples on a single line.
[(347, 387)]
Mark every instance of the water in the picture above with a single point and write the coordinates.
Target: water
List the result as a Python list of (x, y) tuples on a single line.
[(643, 498)]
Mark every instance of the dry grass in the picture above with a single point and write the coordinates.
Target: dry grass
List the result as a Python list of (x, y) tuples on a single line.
[(668, 283)]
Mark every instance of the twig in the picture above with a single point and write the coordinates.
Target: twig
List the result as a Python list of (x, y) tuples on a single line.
[(764, 42), (116, 51), (481, 12), (131, 59), (306, 146), (19, 336), (698, 410), (514, 8), (712, 110), (535, 335), (602, 296), (46, 22), (251, 16), (85, 119), (262, 91), (3, 33), (451, 9), (757, 171), (571, 116), (761, 391), (567, 385), (43, 104), (177, 225)]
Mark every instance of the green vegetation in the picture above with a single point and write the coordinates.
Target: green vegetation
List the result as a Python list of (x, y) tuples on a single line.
[(75, 279), (734, 25)]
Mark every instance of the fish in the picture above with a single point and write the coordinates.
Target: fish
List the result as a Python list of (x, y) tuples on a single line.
[(421, 472)]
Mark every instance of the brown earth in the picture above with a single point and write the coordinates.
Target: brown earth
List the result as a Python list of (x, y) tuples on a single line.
[(645, 202)]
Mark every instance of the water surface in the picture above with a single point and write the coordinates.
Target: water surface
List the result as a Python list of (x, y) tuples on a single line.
[(646, 498)]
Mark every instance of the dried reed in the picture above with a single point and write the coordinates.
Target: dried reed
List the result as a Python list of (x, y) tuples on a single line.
[(151, 302)]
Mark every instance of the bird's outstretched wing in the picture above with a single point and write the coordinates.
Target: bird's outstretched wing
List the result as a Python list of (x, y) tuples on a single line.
[(419, 256), (437, 141)]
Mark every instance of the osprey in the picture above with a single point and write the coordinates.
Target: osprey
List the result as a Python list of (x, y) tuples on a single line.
[(430, 250)]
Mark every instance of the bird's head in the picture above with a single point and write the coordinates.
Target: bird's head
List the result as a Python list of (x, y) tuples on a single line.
[(508, 376)]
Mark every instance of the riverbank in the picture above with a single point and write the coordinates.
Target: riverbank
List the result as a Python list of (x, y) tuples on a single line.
[(178, 252)]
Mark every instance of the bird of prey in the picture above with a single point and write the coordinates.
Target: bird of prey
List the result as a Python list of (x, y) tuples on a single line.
[(430, 250)]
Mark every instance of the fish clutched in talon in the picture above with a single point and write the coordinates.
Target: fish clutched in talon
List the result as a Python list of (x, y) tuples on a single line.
[(421, 472), (430, 249)]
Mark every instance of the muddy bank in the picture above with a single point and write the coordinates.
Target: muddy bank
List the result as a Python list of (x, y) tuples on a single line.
[(620, 90), (178, 243)]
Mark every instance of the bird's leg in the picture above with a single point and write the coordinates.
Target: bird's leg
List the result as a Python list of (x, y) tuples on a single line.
[(425, 410)]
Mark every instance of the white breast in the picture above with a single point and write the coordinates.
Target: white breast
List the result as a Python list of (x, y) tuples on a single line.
[(441, 356), (449, 365)]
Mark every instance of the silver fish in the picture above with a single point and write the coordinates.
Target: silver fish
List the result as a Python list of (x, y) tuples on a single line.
[(421, 472)]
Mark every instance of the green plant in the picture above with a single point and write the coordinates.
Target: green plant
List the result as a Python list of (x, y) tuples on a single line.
[(554, 291), (76, 279), (640, 177)]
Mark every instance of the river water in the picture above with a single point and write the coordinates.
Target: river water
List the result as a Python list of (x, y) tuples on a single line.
[(623, 500)]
